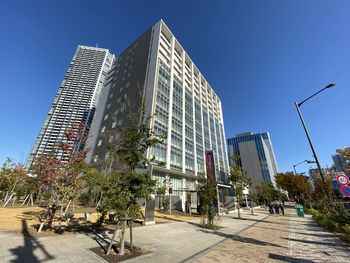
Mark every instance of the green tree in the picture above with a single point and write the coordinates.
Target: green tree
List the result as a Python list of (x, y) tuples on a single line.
[(127, 150), (13, 178), (297, 186), (208, 199), (6, 175), (60, 179), (265, 193), (323, 191), (240, 182)]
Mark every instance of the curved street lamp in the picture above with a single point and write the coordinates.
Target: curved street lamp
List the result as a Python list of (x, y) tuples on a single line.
[(297, 105), (305, 161)]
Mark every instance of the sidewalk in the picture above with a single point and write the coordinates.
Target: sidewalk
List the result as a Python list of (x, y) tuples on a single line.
[(182, 242), (171, 242), (67, 248), (257, 238), (280, 239), (309, 241)]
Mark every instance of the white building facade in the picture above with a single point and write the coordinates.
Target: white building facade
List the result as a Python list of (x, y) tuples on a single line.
[(184, 107)]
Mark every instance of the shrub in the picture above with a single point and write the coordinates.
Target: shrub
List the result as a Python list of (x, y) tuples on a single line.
[(336, 222), (166, 204), (346, 229), (326, 221), (84, 199), (341, 215), (313, 212)]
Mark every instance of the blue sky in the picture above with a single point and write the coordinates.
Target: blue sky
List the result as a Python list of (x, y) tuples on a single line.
[(259, 56)]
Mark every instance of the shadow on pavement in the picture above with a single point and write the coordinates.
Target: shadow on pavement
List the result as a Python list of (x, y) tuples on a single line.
[(264, 221), (242, 239), (338, 244), (289, 259), (25, 253), (271, 228)]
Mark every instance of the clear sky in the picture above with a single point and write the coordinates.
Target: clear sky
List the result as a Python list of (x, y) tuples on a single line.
[(259, 56)]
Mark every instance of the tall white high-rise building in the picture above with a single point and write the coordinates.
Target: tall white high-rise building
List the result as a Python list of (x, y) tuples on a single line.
[(75, 101), (156, 70)]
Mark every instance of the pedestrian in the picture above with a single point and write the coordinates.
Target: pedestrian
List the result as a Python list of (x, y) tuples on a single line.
[(282, 208), (270, 208), (277, 210)]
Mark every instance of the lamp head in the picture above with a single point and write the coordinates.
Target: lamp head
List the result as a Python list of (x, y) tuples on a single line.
[(330, 85)]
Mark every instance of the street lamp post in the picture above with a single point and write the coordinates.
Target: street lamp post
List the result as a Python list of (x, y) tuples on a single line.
[(305, 161), (297, 105)]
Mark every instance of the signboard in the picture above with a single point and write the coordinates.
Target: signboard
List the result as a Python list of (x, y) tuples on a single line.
[(245, 191), (345, 191), (342, 179), (210, 165), (149, 211)]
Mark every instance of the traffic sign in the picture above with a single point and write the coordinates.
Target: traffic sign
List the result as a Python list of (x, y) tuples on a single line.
[(345, 191), (342, 179)]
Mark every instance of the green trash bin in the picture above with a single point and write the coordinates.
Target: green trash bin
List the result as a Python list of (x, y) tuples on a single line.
[(300, 210)]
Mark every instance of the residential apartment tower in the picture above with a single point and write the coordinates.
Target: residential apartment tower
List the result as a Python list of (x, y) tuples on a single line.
[(75, 102)]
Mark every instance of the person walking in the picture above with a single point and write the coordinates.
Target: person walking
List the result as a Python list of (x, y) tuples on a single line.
[(282, 208), (277, 208), (271, 208)]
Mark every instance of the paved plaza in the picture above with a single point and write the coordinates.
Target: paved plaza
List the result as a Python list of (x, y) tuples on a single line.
[(257, 238)]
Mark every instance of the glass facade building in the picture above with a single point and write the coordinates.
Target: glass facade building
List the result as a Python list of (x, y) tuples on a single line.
[(255, 154), (75, 101), (185, 109)]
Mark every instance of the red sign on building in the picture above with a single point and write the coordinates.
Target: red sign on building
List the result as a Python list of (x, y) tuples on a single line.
[(210, 164)]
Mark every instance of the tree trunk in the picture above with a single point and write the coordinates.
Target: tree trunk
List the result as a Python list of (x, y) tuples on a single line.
[(131, 241), (51, 212), (122, 240), (239, 209), (5, 199), (66, 210), (25, 199), (99, 222), (202, 222), (8, 199), (60, 217)]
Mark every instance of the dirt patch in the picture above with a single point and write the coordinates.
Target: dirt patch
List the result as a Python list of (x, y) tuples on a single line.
[(13, 219), (161, 218), (114, 257)]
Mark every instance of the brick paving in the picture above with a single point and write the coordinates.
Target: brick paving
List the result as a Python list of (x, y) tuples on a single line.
[(266, 241), (312, 243), (257, 238), (280, 239)]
